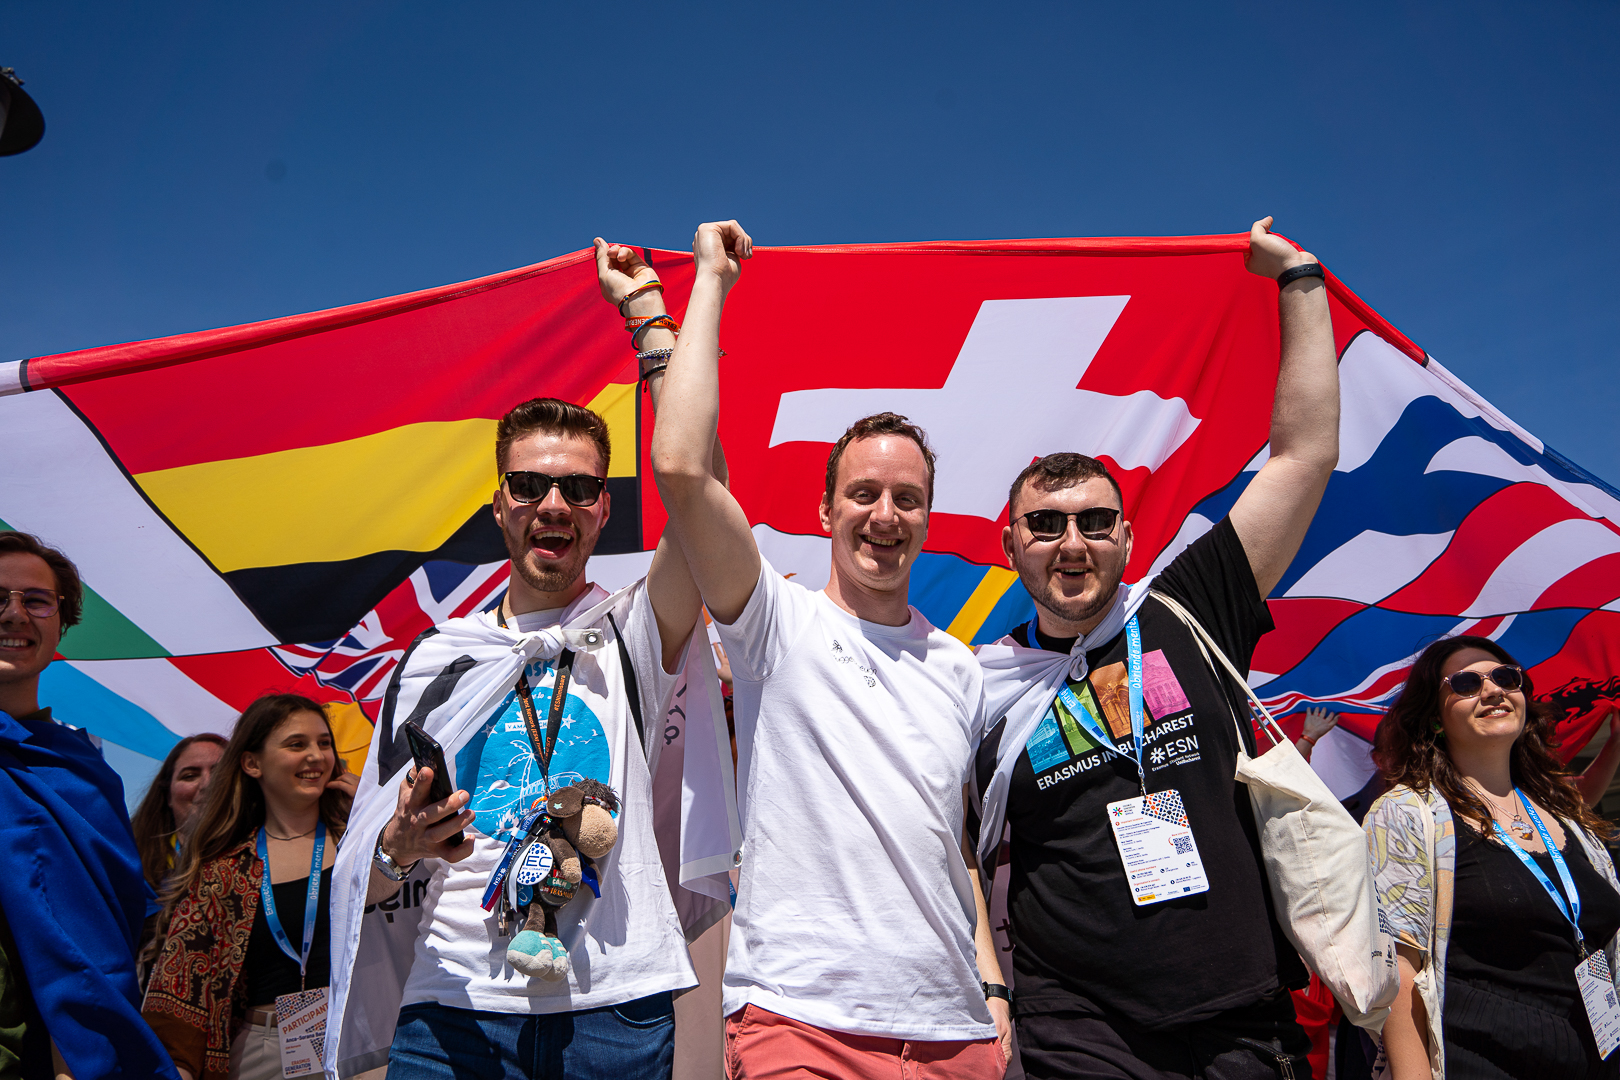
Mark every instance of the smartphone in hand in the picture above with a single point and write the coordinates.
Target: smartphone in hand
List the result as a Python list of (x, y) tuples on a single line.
[(427, 753)]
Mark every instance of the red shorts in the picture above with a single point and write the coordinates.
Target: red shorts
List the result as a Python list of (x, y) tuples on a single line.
[(761, 1045)]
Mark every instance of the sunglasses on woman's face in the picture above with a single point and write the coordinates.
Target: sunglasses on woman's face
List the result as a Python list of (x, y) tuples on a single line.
[(578, 489), (1094, 523), (1470, 683)]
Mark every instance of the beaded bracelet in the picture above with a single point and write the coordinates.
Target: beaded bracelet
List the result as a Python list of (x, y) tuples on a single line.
[(637, 291)]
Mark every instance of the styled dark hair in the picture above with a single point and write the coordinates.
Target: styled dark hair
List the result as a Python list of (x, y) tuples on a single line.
[(883, 423), (233, 809), (1409, 751), (1054, 472), (555, 417), (153, 821), (67, 575)]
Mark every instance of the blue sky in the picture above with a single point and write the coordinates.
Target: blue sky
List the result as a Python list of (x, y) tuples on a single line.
[(209, 164)]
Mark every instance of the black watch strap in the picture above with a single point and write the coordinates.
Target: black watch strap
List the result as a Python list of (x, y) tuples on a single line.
[(1294, 273), (996, 990)]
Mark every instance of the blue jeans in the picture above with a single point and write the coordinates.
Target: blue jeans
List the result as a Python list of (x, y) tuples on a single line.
[(631, 1041)]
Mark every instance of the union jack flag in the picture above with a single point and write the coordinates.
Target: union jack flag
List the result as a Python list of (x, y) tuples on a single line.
[(361, 661)]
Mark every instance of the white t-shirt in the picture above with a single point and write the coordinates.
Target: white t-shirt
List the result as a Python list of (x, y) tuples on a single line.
[(622, 946), (854, 910)]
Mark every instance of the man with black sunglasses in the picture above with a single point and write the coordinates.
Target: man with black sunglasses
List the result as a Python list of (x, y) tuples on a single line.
[(1144, 940), (543, 948)]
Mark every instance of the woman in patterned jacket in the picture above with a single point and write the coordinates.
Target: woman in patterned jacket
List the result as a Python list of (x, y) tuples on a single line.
[(1481, 908), (279, 795)]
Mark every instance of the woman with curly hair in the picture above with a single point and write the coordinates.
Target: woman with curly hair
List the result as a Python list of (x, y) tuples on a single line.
[(231, 937), (1493, 871)]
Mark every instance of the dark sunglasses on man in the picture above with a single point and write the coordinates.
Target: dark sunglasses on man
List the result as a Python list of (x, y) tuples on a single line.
[(578, 489), (1095, 523), (1470, 683)]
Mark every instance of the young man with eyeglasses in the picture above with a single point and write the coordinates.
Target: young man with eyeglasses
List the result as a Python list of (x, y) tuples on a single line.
[(484, 993), (860, 946), (1144, 940), (72, 897)]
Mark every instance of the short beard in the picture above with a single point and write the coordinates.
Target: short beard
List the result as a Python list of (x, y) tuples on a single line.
[(551, 579), (1069, 610)]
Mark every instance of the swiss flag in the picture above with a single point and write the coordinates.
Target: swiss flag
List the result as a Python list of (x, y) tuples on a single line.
[(1164, 368)]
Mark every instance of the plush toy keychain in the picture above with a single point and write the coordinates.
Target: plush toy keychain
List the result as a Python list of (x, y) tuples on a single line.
[(577, 828)]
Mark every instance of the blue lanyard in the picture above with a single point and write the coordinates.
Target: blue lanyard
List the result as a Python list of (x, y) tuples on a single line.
[(1558, 864), (312, 899), (1093, 724)]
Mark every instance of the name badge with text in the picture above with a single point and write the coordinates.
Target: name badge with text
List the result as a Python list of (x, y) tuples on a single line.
[(301, 1023), (1156, 844)]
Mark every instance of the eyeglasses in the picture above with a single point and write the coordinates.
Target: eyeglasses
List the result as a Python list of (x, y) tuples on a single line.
[(1470, 683), (40, 603), (579, 489), (1095, 523)]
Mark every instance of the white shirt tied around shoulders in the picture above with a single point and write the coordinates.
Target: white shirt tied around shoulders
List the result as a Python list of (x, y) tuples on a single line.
[(442, 947)]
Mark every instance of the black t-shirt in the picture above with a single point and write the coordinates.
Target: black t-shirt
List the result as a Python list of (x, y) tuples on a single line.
[(267, 970), (1504, 927), (1079, 942)]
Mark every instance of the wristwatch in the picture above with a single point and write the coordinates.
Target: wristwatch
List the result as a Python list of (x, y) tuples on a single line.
[(996, 990), (390, 869)]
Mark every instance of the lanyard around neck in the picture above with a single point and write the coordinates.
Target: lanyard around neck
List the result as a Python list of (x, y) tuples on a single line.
[(1094, 725), (312, 900), (1574, 916), (543, 746)]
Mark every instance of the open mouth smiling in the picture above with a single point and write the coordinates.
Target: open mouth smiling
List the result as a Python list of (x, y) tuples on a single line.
[(552, 542)]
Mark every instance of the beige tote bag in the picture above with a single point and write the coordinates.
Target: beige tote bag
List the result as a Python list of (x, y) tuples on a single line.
[(1316, 858)]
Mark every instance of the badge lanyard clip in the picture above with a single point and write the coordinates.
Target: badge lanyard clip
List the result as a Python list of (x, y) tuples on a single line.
[(1574, 916), (312, 900), (1094, 725)]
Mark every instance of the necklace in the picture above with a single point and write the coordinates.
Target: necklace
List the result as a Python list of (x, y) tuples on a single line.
[(1518, 826), (284, 839)]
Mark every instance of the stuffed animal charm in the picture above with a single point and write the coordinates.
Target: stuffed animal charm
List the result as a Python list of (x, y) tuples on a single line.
[(577, 829)]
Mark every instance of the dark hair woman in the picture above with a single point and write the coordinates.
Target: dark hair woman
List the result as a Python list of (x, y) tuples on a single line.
[(254, 871), (170, 802), (1494, 915)]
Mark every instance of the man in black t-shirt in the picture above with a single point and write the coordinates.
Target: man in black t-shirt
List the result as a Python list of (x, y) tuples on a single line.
[(1111, 982)]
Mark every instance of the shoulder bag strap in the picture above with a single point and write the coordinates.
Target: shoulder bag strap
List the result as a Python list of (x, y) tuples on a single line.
[(632, 690), (1212, 652)]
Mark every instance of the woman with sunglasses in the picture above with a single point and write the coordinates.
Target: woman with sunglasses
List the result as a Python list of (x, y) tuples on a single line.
[(1493, 871)]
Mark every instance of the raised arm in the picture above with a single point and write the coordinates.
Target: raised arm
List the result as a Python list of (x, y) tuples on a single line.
[(1272, 515), (626, 280), (710, 526)]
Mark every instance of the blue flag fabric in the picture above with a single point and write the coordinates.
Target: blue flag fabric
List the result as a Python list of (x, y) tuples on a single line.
[(74, 897)]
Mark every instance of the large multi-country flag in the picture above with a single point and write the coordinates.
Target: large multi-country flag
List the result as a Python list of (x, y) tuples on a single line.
[(288, 504)]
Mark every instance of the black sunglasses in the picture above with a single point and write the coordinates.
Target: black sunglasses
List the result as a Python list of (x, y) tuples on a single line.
[(1470, 683), (1095, 523), (578, 489)]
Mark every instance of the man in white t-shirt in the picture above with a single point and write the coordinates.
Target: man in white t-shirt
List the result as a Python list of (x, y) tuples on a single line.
[(604, 1010), (860, 943)]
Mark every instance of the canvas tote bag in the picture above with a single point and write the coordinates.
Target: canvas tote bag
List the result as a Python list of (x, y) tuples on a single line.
[(1316, 859)]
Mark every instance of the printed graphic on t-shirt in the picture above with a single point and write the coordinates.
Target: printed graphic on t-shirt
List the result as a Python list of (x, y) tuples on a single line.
[(1060, 749), (499, 760)]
